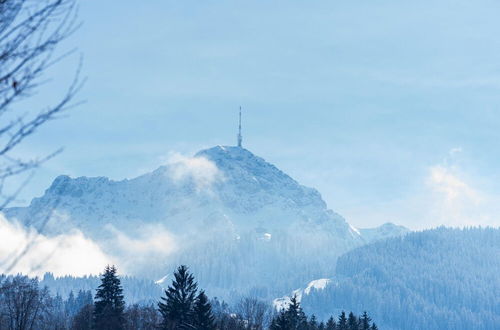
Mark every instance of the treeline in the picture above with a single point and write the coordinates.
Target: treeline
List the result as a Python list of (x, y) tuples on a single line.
[(24, 305), (294, 318), (137, 290)]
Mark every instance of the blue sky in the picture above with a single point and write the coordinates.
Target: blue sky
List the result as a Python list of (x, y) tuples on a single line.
[(391, 109)]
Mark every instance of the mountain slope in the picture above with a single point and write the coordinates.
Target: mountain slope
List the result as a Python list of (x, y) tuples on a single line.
[(435, 279), (226, 212)]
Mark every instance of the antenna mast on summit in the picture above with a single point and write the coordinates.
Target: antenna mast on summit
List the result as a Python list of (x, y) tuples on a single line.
[(240, 137)]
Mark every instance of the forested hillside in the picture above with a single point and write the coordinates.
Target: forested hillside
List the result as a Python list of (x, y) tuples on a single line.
[(135, 290), (436, 279)]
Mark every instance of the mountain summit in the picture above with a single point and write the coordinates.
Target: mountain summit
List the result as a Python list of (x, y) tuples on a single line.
[(224, 203)]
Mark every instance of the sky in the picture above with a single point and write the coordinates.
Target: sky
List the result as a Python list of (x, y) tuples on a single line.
[(391, 109)]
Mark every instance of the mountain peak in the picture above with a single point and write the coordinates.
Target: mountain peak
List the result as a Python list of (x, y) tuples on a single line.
[(228, 153), (220, 149), (229, 159), (248, 175)]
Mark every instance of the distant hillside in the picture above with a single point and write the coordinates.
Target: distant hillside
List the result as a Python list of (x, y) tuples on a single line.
[(435, 279), (135, 290)]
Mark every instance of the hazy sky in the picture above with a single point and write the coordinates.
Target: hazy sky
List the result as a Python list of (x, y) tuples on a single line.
[(391, 109)]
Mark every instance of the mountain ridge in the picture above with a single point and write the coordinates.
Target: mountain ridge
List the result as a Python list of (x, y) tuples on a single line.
[(225, 200)]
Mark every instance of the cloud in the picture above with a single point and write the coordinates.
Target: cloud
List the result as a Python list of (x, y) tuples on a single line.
[(446, 194), (443, 181), (74, 254), (453, 198), (150, 239), (201, 171), (71, 253), (150, 242)]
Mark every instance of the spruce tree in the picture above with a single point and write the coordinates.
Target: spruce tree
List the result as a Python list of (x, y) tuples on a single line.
[(330, 324), (203, 318), (365, 322), (374, 327), (109, 303), (342, 325), (280, 322), (295, 315), (352, 322), (177, 306), (313, 323)]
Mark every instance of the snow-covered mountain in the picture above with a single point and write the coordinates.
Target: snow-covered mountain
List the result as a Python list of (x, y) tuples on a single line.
[(238, 221)]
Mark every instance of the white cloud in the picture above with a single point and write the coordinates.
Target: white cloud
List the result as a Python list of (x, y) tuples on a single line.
[(74, 254), (442, 180), (148, 239), (203, 172), (71, 253), (448, 194), (150, 242), (453, 199)]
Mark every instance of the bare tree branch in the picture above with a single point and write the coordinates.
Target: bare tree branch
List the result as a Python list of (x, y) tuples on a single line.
[(30, 32)]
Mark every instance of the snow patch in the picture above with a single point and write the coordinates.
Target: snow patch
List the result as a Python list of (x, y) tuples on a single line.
[(355, 230), (283, 302), (162, 280), (317, 285)]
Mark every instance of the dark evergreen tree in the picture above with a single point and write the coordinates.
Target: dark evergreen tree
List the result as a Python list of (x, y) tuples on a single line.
[(352, 322), (292, 318), (203, 318), (109, 303), (176, 307), (365, 322), (280, 322), (342, 324), (321, 326), (313, 323), (295, 315), (83, 319), (374, 327), (330, 324)]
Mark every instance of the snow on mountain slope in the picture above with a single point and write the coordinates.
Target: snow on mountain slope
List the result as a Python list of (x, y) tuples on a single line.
[(238, 221), (316, 285)]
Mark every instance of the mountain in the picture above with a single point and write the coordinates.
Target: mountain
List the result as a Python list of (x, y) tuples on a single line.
[(435, 279), (387, 230), (238, 221)]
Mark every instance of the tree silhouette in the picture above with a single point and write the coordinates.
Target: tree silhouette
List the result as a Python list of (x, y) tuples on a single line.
[(342, 324), (203, 319), (109, 303), (352, 322), (365, 321), (177, 306)]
